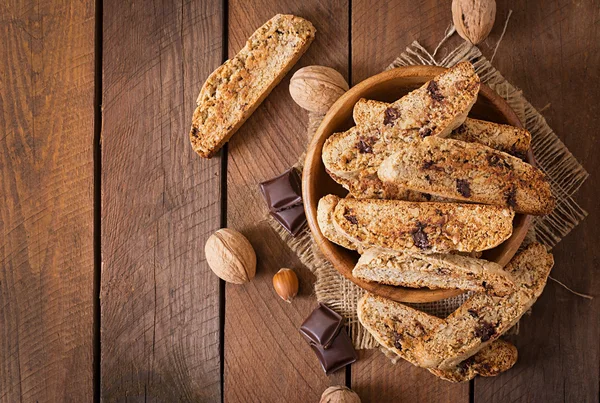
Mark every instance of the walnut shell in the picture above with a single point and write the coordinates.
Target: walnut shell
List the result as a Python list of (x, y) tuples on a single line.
[(339, 394), (473, 19), (231, 256), (316, 88)]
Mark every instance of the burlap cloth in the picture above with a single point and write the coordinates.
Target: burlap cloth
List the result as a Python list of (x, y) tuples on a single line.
[(552, 156)]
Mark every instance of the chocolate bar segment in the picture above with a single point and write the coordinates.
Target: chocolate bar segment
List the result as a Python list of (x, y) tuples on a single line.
[(338, 355), (283, 191), (292, 219), (322, 326)]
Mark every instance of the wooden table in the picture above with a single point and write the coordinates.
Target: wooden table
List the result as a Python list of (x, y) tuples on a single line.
[(104, 290)]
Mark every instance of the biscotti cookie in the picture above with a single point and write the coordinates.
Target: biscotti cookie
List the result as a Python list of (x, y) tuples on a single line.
[(325, 209), (396, 327), (491, 360), (483, 318), (433, 271), (434, 109), (359, 175), (506, 138), (422, 227), (470, 172), (236, 88)]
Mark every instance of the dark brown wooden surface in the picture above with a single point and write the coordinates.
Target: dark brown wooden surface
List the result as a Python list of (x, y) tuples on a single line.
[(46, 200), (266, 359), (160, 202), (553, 54), (166, 320)]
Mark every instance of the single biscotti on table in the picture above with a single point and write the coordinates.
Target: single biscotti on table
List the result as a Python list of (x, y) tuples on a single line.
[(235, 89), (436, 108), (506, 138), (396, 327), (325, 209), (422, 227), (483, 318), (471, 172), (434, 271)]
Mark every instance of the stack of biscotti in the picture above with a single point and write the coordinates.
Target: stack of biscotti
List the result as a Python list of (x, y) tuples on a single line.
[(458, 347), (413, 244), (236, 88), (397, 328), (435, 109), (429, 191), (483, 318)]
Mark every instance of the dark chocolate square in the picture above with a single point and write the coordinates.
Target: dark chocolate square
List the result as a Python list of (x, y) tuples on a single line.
[(322, 326), (292, 219), (283, 191), (338, 355)]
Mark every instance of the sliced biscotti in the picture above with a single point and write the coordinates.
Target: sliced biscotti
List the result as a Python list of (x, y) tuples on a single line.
[(491, 360), (434, 109), (509, 139), (471, 172), (506, 138), (325, 209), (422, 227), (397, 327), (483, 318), (434, 271), (236, 88)]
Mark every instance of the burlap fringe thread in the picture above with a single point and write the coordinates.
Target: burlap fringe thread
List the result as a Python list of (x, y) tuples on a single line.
[(552, 156)]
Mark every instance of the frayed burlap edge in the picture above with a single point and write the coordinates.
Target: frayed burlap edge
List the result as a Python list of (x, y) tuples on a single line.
[(552, 156)]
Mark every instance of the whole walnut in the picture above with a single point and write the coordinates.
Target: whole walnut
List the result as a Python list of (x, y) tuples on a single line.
[(230, 256), (339, 394), (474, 19), (316, 88)]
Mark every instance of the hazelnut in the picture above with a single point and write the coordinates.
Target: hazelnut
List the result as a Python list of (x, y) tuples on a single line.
[(285, 283), (339, 394), (316, 88), (230, 256)]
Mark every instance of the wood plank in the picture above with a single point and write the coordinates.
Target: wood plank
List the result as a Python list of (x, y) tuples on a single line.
[(552, 52), (160, 202), (380, 32), (46, 213), (266, 360), (376, 379)]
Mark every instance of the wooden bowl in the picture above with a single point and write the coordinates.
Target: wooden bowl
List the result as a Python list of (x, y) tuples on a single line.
[(316, 183)]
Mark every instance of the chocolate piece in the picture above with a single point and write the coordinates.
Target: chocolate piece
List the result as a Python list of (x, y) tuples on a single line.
[(391, 114), (434, 91), (351, 218), (338, 355), (364, 145), (292, 219), (283, 191), (424, 132), (485, 331), (511, 197), (419, 236), (322, 326), (463, 187)]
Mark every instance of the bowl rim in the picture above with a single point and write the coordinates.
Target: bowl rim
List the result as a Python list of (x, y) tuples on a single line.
[(310, 198)]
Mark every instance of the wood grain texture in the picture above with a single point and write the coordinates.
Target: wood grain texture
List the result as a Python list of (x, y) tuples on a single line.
[(160, 202), (380, 32), (553, 54), (46, 212), (376, 379), (266, 359)]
